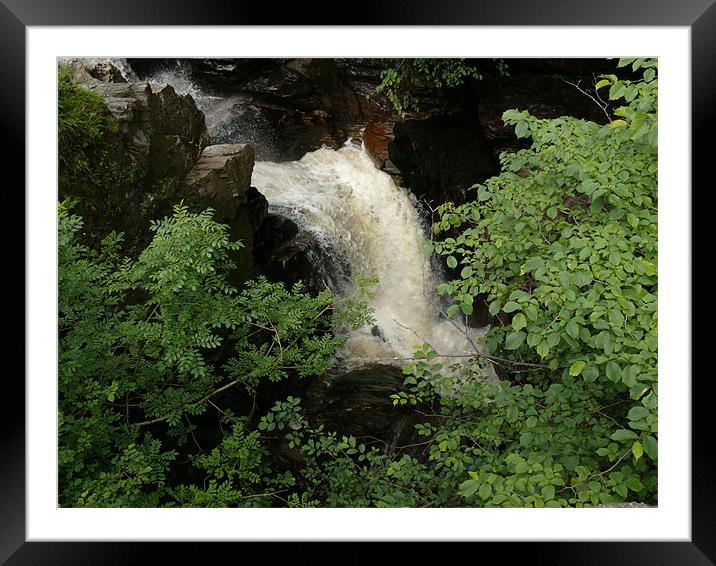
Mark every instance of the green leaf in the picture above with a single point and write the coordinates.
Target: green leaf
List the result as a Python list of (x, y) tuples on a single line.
[(582, 278), (637, 412), (542, 349), (651, 447), (466, 272), (590, 374), (623, 434), (617, 90), (572, 329), (534, 263), (451, 262), (565, 279), (614, 372), (634, 484), (637, 449), (511, 307), (428, 249), (469, 487), (485, 490), (521, 129), (548, 492), (514, 340), (466, 308), (519, 321), (576, 368)]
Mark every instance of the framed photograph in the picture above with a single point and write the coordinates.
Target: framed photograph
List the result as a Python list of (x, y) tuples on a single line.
[(375, 158)]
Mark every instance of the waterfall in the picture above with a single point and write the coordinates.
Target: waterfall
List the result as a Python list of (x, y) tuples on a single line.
[(229, 119), (371, 224), (358, 217), (125, 68)]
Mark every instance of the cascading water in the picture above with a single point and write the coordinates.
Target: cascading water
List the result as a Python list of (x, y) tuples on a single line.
[(228, 119), (360, 219), (355, 210), (125, 69)]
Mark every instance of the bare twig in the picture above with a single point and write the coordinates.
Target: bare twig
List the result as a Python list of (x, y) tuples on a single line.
[(411, 330), (602, 105)]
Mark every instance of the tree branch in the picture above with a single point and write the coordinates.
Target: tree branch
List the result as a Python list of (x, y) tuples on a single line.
[(602, 105)]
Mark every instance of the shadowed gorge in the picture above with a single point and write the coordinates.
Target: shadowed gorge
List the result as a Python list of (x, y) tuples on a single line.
[(358, 282)]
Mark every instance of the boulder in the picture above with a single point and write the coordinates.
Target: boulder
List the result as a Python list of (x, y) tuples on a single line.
[(158, 138), (221, 180), (162, 132), (285, 253), (87, 70)]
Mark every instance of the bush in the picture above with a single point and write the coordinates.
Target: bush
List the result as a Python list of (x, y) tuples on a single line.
[(140, 357)]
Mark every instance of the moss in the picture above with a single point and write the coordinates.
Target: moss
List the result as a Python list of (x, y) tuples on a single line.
[(91, 171), (84, 125)]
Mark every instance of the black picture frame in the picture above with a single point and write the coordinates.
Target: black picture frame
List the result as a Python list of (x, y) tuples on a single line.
[(16, 15)]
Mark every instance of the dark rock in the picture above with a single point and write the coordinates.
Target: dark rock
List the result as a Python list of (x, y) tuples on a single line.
[(357, 401), (288, 254), (442, 156), (162, 136), (159, 137), (274, 232), (87, 70), (222, 74), (257, 208), (541, 91), (221, 180), (243, 122)]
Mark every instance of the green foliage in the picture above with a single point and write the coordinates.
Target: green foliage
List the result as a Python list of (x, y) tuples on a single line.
[(89, 169), (562, 249), (83, 128), (139, 344), (562, 246), (397, 83), (640, 113)]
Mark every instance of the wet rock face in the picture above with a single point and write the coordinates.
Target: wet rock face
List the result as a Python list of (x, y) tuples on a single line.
[(159, 136), (358, 402), (162, 136), (285, 253), (287, 107), (221, 180), (541, 87), (244, 121), (441, 157), (221, 74), (161, 148), (88, 70)]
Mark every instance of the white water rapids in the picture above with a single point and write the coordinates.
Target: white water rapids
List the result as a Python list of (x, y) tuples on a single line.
[(364, 224), (358, 213)]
